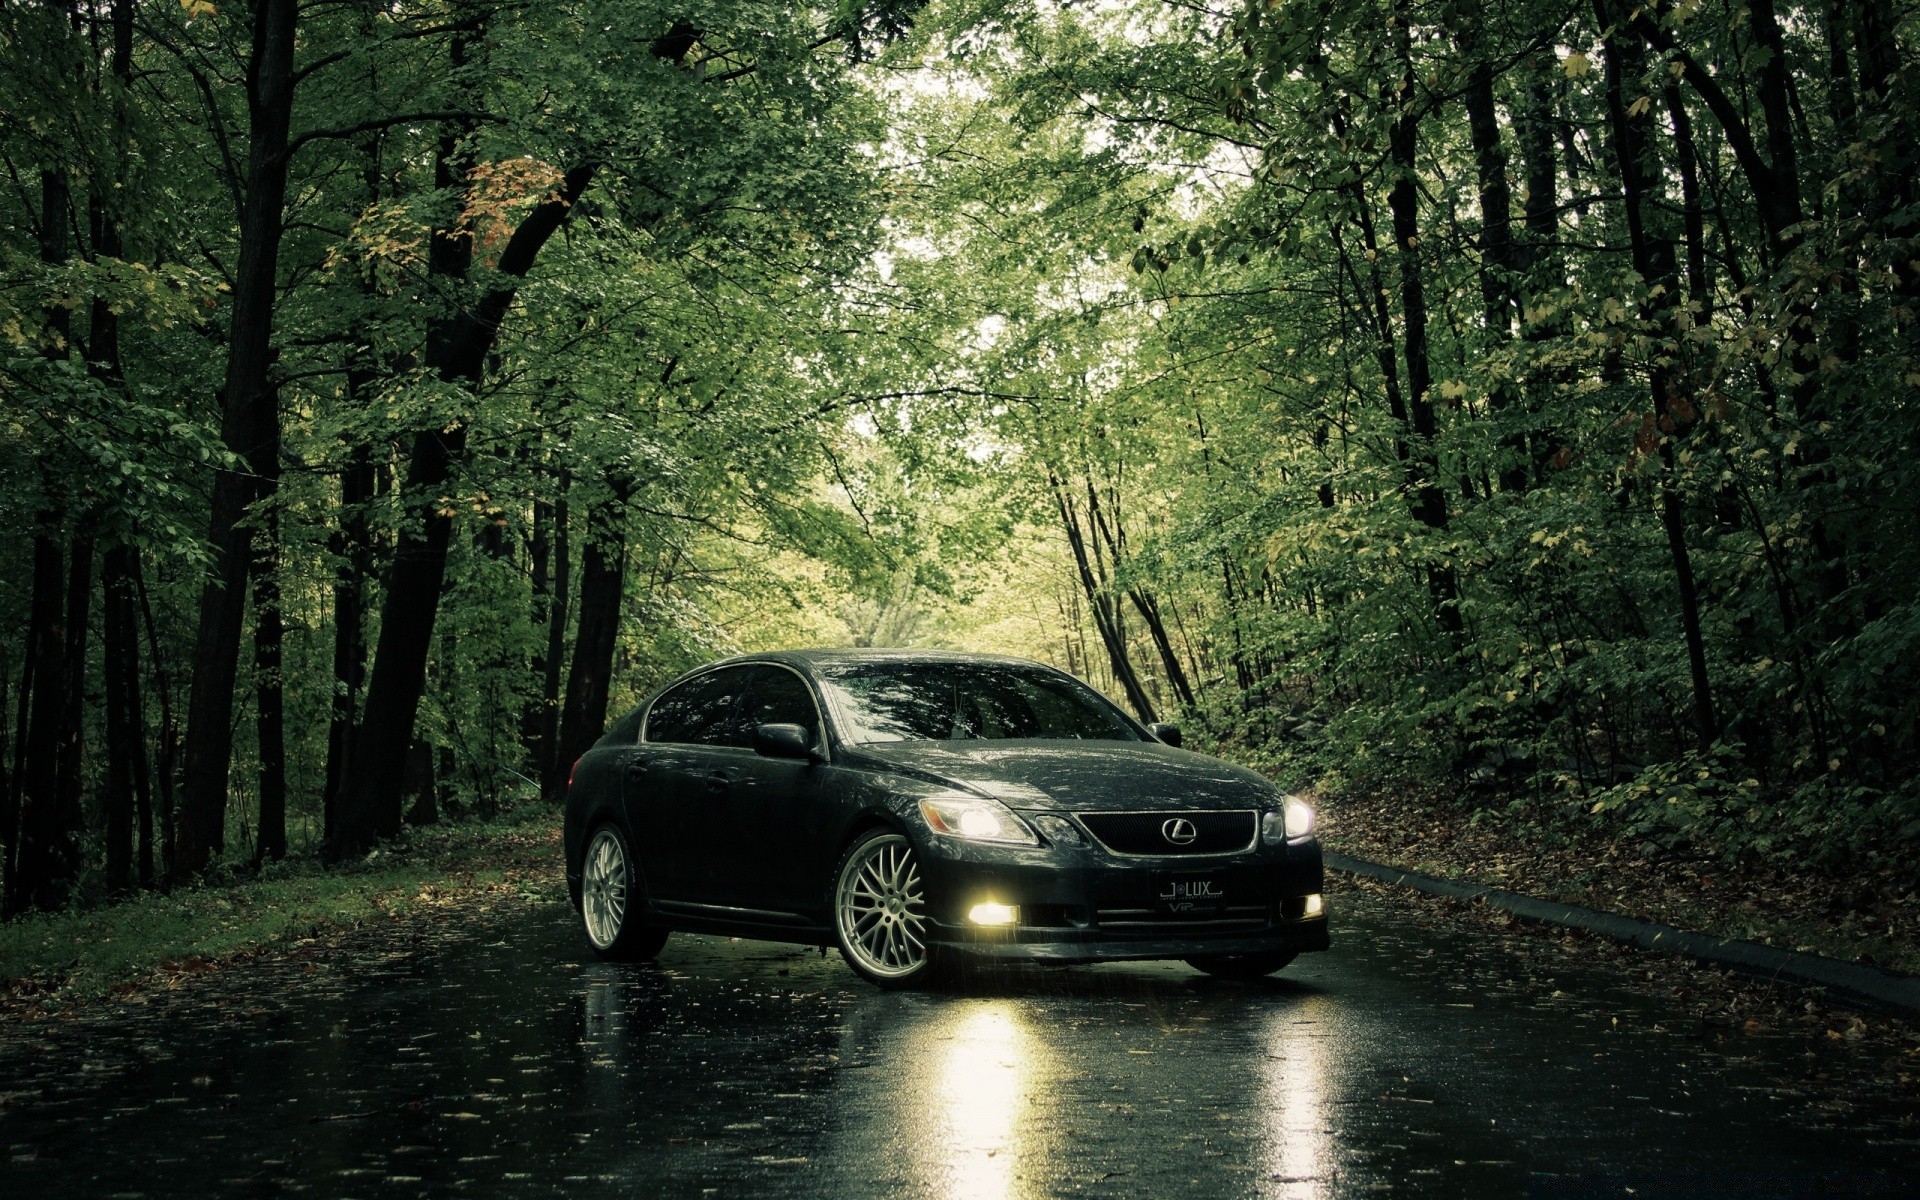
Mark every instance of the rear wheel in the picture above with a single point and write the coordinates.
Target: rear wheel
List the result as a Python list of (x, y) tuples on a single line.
[(880, 911), (607, 896), (1242, 966)]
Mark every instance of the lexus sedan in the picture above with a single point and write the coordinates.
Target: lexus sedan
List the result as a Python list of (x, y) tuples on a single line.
[(918, 808)]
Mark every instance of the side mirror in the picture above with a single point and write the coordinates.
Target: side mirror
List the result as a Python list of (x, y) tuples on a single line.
[(783, 741), (1170, 734)]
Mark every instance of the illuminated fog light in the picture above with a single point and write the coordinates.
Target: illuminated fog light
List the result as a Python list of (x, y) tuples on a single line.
[(991, 913), (1313, 907)]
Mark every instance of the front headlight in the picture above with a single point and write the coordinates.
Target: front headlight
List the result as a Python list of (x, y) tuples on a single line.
[(975, 818), (1299, 817), (1293, 821)]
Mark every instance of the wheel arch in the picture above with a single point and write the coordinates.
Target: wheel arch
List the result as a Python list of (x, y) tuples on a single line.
[(860, 825)]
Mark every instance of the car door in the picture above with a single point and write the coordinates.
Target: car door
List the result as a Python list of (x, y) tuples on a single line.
[(775, 813), (677, 787)]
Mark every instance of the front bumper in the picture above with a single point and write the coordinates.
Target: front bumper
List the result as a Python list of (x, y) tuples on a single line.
[(1083, 904), (1305, 936)]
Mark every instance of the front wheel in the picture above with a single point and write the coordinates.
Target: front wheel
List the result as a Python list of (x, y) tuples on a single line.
[(1242, 966), (880, 911), (606, 901)]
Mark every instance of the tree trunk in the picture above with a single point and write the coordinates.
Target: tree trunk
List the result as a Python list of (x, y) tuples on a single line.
[(602, 584), (1429, 501), (1100, 602), (559, 608), (552, 579), (1653, 257), (1699, 283), (269, 710), (540, 579), (1500, 265), (41, 854), (9, 778), (72, 752), (457, 349), (126, 800), (1108, 526), (168, 756), (249, 427), (352, 546), (1537, 255)]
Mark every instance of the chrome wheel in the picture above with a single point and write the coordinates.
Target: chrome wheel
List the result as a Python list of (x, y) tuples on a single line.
[(880, 907), (603, 889)]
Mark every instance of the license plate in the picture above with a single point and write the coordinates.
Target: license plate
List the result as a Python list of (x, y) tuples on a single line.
[(1190, 893)]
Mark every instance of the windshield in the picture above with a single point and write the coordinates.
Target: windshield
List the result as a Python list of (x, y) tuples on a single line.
[(936, 702)]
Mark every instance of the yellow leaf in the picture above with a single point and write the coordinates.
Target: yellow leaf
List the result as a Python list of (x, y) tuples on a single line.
[(1640, 106), (1576, 65)]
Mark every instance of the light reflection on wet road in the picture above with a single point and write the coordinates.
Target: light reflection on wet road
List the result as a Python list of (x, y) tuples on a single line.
[(510, 1063)]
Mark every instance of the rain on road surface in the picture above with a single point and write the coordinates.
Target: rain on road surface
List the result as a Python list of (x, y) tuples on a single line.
[(505, 1061)]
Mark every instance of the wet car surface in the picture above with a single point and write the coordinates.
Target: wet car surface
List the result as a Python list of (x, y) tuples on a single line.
[(507, 1062), (919, 808)]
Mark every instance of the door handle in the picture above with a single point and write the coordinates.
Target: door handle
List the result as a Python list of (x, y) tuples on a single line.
[(717, 782), (636, 770)]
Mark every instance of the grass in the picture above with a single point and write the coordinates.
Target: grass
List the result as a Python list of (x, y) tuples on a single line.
[(86, 953)]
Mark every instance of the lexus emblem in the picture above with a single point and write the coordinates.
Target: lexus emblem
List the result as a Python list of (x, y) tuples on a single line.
[(1178, 831)]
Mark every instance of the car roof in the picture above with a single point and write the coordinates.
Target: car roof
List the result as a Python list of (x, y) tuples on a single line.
[(854, 655)]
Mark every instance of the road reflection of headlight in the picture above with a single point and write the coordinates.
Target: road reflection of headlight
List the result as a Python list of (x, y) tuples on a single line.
[(982, 1092), (1299, 1150)]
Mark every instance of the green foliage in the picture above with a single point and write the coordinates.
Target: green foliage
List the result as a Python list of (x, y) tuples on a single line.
[(1177, 226), (855, 321)]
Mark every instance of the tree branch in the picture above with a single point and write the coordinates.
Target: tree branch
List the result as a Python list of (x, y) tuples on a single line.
[(347, 131)]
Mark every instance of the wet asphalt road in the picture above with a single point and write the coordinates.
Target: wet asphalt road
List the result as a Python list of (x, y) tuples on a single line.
[(504, 1061)]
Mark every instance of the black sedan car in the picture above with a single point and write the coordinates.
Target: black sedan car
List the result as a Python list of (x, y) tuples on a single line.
[(914, 808)]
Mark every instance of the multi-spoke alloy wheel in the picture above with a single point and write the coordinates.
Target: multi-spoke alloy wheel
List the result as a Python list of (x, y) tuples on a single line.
[(880, 910), (606, 892)]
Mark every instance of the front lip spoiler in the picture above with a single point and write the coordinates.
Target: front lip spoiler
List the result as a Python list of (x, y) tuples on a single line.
[(1299, 937)]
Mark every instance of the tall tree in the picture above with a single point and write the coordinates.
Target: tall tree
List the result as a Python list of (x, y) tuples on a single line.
[(249, 428)]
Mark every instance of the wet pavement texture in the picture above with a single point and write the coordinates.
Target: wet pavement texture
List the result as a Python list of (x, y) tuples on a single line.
[(503, 1060)]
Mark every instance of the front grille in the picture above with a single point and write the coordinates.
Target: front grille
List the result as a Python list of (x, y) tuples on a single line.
[(1146, 832), (1146, 922)]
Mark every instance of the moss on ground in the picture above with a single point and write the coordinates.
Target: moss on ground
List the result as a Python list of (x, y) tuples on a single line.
[(55, 958)]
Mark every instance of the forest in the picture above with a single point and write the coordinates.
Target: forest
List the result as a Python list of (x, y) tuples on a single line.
[(1511, 403)]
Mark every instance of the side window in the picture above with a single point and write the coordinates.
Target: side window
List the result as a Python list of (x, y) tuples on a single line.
[(1048, 706), (779, 697), (700, 711)]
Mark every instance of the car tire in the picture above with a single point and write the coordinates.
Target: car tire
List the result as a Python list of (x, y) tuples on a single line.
[(607, 895), (1242, 966), (878, 904)]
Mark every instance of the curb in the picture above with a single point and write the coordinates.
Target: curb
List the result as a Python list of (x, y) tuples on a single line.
[(1769, 963)]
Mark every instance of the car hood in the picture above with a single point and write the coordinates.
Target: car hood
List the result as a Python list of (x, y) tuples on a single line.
[(1080, 776)]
